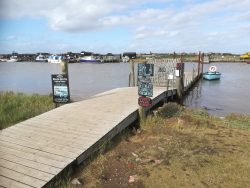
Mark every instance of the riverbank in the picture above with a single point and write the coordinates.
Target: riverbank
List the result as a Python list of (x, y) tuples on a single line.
[(17, 107), (177, 148)]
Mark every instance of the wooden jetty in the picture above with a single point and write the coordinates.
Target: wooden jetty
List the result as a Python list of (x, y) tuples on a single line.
[(35, 151)]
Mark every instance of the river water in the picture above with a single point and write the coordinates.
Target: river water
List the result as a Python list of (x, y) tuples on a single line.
[(230, 94), (85, 80)]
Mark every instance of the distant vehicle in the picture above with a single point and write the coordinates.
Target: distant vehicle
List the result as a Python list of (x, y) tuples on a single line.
[(41, 58), (55, 59), (245, 56)]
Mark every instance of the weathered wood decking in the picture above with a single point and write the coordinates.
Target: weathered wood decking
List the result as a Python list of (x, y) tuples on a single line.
[(33, 152)]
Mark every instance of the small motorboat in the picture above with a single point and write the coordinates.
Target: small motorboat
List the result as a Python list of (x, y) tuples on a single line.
[(41, 58), (55, 59), (212, 74)]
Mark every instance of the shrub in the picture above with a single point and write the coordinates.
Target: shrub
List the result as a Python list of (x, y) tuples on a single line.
[(169, 110)]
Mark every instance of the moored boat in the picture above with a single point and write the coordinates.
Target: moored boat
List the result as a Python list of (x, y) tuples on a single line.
[(89, 57), (55, 59), (12, 59), (212, 74), (41, 58)]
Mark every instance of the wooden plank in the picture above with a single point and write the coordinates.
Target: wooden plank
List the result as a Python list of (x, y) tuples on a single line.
[(49, 132), (29, 163), (51, 142), (34, 151), (77, 124), (9, 183), (26, 170), (53, 152), (22, 178), (41, 139), (48, 140), (62, 127), (33, 157)]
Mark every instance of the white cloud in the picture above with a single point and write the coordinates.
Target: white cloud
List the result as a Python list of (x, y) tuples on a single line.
[(189, 25)]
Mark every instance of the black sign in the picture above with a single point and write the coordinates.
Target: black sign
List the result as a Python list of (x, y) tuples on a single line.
[(60, 88), (145, 69), (145, 89)]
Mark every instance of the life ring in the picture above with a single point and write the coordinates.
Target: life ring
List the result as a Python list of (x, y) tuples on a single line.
[(213, 69)]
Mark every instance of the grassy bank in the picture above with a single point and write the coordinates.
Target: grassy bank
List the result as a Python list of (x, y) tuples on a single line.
[(16, 107), (177, 148)]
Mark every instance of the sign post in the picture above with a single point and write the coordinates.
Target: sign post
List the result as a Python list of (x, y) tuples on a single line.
[(145, 88), (60, 88)]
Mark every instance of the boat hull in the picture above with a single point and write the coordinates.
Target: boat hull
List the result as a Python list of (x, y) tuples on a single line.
[(89, 61), (211, 75), (42, 60)]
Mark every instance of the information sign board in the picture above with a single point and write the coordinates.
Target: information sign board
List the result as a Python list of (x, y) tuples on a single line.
[(145, 69), (60, 88), (145, 89)]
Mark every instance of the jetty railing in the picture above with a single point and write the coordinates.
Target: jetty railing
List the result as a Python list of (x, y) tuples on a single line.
[(164, 72)]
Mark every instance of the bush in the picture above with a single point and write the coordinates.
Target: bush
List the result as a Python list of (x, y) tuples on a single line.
[(169, 110)]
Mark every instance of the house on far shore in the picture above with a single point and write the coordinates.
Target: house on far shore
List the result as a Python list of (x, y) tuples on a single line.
[(126, 56)]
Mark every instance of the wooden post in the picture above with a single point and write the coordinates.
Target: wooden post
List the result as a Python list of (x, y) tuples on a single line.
[(132, 74), (64, 67), (199, 61), (180, 81), (142, 114), (202, 62)]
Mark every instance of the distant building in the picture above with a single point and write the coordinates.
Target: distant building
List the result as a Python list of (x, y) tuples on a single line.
[(131, 55)]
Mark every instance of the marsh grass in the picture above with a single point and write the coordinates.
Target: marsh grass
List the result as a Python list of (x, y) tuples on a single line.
[(189, 149), (238, 121), (17, 107)]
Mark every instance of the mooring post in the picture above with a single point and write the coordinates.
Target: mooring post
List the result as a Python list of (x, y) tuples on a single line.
[(142, 113), (64, 67), (199, 61), (132, 74), (202, 62), (179, 79)]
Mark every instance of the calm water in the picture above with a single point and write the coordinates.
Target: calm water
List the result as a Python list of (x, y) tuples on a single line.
[(230, 94), (85, 80)]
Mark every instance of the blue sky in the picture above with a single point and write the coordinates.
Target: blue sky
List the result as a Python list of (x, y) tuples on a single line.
[(32, 26)]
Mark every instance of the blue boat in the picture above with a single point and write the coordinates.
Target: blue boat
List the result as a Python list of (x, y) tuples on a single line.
[(212, 74)]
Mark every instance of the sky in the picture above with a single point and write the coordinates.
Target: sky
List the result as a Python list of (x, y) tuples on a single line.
[(116, 26)]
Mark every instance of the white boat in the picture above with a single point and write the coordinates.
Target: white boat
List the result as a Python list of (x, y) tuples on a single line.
[(89, 57), (55, 59), (12, 59), (41, 58)]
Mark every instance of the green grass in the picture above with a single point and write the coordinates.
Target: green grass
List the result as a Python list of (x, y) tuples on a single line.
[(177, 148), (17, 107)]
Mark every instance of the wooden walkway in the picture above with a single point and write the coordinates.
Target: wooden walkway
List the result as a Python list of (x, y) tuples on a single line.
[(33, 152)]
